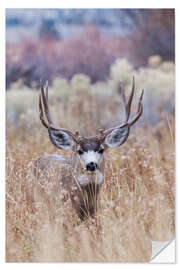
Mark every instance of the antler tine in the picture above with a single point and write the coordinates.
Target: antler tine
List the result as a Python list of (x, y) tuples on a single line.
[(45, 103), (139, 110), (41, 113), (128, 105)]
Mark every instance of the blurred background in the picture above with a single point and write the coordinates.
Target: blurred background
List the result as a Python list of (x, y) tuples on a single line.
[(90, 50)]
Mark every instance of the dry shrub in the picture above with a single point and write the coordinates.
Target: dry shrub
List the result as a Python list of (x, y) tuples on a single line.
[(154, 33), (147, 32), (90, 53), (87, 99)]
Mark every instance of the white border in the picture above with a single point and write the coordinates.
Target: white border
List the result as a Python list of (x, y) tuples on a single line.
[(89, 4), (70, 4)]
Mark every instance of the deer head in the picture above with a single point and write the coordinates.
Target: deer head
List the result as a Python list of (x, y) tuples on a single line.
[(89, 150)]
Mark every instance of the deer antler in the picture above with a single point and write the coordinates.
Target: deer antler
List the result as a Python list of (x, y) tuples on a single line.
[(127, 106), (44, 113)]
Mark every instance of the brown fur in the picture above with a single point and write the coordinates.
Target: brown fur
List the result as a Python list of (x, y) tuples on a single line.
[(90, 143), (54, 175)]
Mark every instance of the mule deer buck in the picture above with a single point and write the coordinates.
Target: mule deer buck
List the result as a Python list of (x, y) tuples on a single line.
[(82, 176)]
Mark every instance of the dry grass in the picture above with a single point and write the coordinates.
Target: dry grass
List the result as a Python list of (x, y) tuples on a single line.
[(136, 203)]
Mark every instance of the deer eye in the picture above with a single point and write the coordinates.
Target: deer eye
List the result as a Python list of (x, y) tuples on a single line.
[(101, 151), (80, 151)]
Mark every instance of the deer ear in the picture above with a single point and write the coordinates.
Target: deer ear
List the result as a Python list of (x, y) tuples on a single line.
[(61, 139), (117, 136)]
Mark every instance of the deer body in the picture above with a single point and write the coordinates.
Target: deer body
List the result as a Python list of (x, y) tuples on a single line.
[(83, 175), (82, 185)]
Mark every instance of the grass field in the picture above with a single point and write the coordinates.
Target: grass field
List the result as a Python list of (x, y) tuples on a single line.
[(137, 199)]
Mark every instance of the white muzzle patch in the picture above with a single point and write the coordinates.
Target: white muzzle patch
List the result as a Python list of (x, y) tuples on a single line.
[(91, 156), (94, 178)]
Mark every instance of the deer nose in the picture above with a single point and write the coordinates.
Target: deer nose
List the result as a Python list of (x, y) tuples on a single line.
[(91, 166)]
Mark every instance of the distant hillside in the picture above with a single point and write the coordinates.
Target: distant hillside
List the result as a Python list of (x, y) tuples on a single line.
[(65, 42), (64, 23)]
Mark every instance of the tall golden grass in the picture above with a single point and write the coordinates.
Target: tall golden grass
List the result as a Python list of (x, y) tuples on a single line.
[(136, 203)]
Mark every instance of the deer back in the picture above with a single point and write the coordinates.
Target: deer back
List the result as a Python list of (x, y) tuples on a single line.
[(48, 178)]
